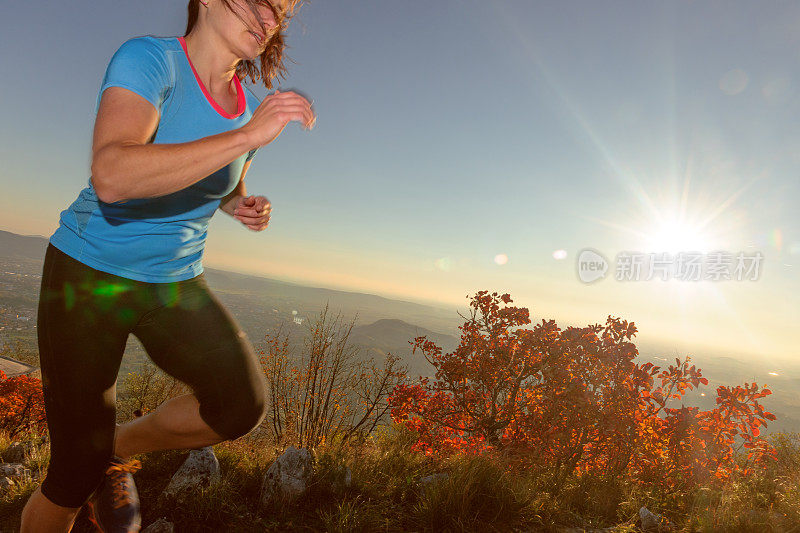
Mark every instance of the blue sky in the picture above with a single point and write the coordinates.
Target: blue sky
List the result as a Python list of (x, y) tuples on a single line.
[(451, 135)]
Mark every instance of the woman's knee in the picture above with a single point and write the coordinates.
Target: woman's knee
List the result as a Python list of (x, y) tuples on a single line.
[(240, 413), (249, 416)]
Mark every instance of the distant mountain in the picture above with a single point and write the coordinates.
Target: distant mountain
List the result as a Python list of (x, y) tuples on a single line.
[(31, 247), (393, 336), (309, 301)]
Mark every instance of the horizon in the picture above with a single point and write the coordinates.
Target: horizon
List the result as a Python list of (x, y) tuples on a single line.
[(482, 154), (647, 348)]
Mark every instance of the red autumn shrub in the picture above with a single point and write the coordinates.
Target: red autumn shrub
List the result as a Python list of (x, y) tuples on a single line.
[(21, 405), (575, 400)]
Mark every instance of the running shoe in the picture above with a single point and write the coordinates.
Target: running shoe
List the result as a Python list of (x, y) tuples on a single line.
[(114, 507)]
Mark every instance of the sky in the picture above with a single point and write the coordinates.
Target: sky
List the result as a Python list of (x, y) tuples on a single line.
[(480, 145)]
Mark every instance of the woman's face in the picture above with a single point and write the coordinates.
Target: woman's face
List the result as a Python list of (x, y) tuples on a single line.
[(247, 37)]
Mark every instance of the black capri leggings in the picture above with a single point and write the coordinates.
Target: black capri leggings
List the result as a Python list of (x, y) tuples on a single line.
[(84, 319)]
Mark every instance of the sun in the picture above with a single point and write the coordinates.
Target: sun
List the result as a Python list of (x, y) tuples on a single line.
[(674, 235)]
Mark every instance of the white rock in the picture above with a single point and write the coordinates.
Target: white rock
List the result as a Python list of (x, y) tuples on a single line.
[(200, 470), (652, 522), (14, 471), (288, 477)]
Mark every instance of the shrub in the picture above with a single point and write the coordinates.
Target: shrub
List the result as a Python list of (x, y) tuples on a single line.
[(21, 405), (328, 391), (575, 401)]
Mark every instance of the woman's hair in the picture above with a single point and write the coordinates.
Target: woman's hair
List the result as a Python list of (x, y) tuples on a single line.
[(272, 58)]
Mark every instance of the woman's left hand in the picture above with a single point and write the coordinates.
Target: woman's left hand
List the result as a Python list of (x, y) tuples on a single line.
[(253, 212)]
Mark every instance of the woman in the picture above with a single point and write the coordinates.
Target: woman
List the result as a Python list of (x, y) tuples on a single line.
[(173, 139)]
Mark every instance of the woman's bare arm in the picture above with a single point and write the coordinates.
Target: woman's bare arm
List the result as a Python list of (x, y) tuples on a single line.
[(126, 165), (228, 203)]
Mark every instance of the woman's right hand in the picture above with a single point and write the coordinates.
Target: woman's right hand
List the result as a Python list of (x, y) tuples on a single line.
[(274, 112)]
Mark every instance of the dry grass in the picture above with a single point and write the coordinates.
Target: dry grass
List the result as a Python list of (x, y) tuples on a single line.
[(479, 494)]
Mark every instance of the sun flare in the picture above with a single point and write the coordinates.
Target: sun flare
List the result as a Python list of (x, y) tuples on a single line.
[(676, 236)]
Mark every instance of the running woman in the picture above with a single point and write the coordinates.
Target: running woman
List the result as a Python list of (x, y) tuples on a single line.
[(174, 136)]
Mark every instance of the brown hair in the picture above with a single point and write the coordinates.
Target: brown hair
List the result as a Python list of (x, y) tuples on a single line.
[(271, 58)]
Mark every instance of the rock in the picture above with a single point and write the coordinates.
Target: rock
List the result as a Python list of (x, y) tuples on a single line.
[(200, 470), (288, 477), (5, 484), (652, 522), (433, 479), (20, 452), (14, 471), (160, 526)]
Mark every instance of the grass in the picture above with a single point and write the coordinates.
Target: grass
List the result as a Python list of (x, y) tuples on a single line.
[(478, 494)]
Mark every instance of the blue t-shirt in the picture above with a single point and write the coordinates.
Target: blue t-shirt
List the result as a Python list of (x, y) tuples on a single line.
[(161, 239)]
